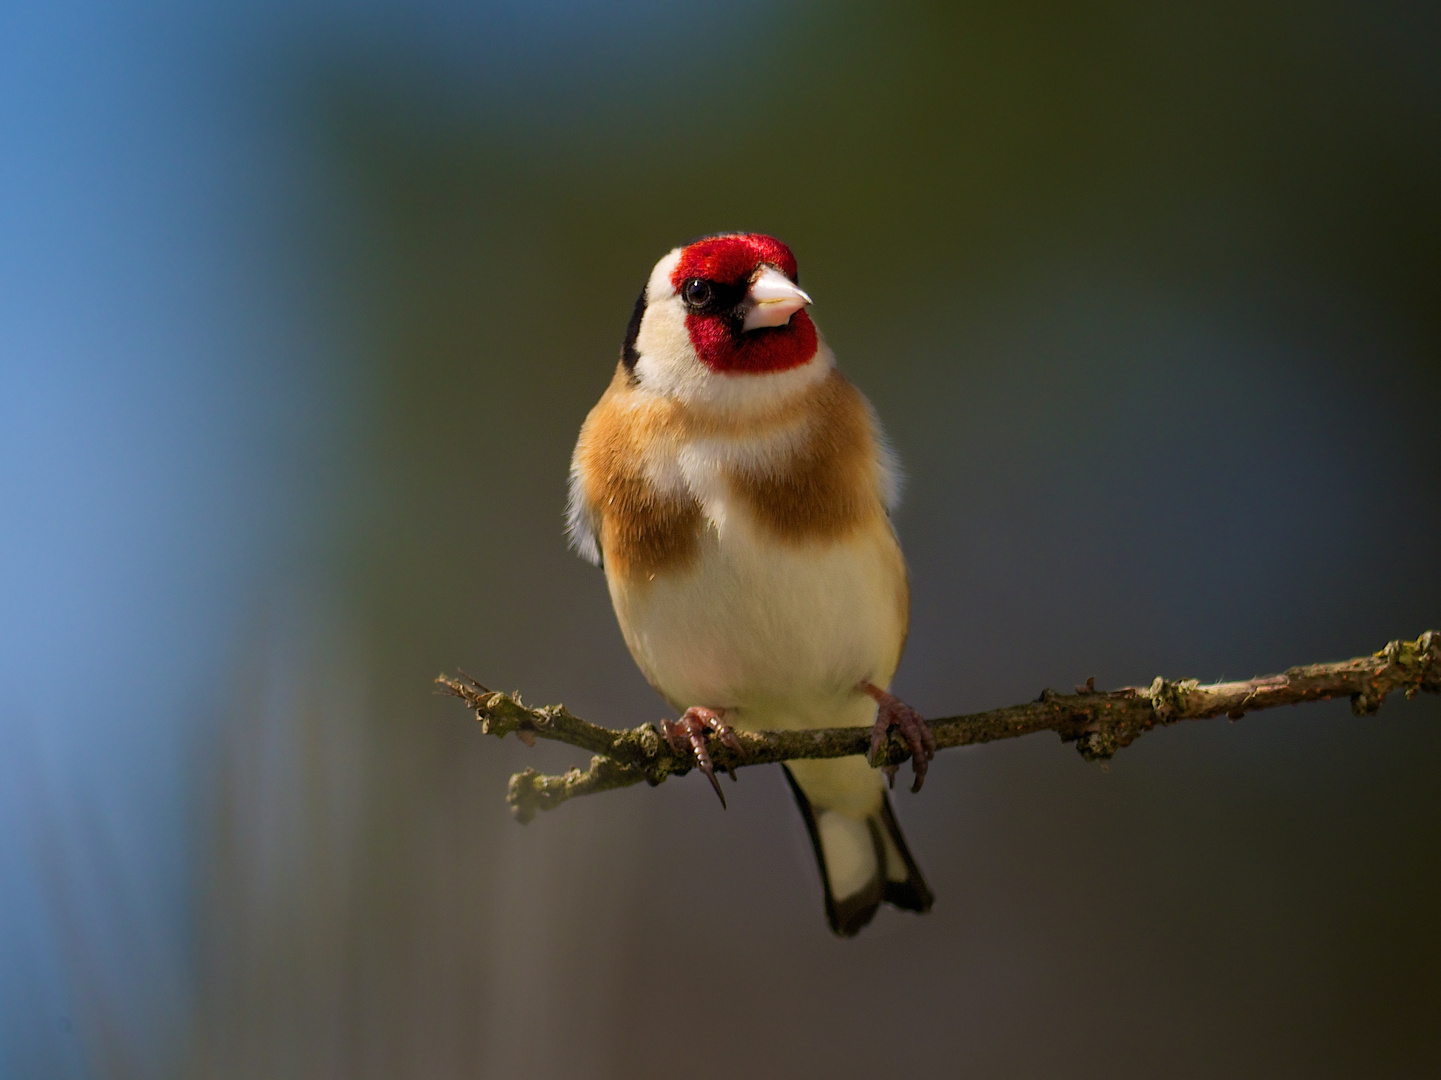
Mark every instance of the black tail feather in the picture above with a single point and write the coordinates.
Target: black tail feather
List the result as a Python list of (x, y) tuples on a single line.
[(912, 894), (847, 917)]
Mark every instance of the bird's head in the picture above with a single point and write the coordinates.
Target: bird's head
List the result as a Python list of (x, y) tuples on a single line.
[(722, 323)]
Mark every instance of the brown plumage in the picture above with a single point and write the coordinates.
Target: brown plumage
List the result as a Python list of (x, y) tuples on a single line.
[(821, 487)]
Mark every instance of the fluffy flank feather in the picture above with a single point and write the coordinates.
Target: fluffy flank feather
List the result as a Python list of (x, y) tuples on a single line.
[(889, 474), (581, 526)]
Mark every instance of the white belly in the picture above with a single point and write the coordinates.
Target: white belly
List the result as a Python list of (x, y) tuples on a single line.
[(778, 634)]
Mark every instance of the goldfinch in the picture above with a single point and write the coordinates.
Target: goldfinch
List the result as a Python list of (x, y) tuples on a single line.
[(737, 491)]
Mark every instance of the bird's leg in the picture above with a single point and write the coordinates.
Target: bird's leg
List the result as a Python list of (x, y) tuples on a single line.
[(690, 731), (895, 713)]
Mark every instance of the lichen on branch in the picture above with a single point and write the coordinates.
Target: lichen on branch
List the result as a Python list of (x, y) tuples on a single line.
[(1099, 722)]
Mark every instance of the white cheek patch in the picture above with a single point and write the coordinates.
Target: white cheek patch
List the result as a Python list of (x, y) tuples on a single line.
[(668, 364)]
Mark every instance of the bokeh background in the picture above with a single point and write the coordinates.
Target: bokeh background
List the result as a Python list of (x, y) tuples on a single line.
[(301, 307)]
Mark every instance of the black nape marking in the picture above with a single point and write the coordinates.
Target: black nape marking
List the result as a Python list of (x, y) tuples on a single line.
[(628, 355)]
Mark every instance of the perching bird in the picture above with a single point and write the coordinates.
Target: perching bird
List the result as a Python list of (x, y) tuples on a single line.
[(737, 490)]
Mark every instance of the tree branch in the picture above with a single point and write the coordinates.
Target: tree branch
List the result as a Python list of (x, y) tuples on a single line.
[(1099, 722)]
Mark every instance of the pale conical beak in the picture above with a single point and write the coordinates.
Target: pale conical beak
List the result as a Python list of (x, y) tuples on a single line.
[(773, 298)]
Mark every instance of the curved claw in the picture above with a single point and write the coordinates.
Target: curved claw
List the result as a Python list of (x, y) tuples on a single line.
[(691, 730), (709, 771), (892, 712)]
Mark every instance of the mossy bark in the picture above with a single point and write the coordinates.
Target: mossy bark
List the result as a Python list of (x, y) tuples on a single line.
[(1099, 722)]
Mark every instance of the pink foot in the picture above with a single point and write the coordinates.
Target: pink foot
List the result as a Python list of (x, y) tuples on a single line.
[(691, 730), (895, 713)]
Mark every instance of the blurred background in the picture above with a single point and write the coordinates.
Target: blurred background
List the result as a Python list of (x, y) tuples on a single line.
[(301, 307)]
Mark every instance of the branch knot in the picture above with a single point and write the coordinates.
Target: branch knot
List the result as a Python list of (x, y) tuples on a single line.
[(1169, 699)]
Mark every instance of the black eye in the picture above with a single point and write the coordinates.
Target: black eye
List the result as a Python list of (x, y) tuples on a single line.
[(696, 293)]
